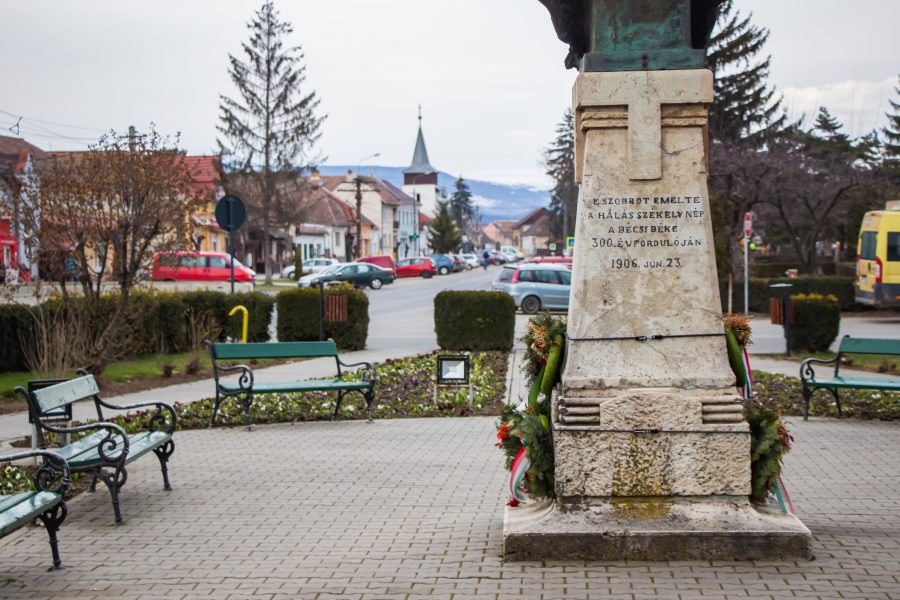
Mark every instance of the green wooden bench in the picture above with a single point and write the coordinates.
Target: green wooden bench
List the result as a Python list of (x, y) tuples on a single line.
[(45, 502), (833, 382), (244, 388), (104, 448)]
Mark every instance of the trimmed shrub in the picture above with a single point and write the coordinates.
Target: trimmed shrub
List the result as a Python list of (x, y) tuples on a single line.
[(474, 320), (839, 287), (259, 306), (298, 317), (817, 319)]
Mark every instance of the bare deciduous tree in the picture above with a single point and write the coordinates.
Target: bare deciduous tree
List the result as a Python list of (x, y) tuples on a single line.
[(103, 213)]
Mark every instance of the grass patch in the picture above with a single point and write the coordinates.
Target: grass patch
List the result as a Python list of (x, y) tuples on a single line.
[(781, 394)]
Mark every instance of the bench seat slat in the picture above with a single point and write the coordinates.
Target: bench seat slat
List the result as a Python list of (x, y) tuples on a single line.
[(855, 383), (21, 508), (274, 350), (322, 385), (83, 453)]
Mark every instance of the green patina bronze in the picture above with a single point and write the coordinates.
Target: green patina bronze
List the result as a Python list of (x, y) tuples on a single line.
[(634, 35)]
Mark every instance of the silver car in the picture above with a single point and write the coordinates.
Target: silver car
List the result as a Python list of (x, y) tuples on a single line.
[(535, 286)]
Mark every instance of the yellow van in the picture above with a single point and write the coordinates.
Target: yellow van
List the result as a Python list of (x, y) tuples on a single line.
[(878, 265)]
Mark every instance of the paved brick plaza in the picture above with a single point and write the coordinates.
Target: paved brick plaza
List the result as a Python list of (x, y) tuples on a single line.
[(413, 508)]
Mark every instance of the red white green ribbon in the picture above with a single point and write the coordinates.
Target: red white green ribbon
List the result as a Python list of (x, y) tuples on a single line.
[(520, 466), (747, 390)]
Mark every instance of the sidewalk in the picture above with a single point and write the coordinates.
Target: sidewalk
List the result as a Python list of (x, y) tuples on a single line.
[(413, 508)]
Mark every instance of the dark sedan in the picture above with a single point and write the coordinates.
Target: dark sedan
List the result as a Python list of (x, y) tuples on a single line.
[(358, 274)]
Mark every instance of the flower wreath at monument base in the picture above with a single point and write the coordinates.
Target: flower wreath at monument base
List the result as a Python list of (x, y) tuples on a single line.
[(524, 430)]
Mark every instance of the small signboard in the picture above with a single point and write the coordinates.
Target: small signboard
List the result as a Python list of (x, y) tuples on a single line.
[(570, 243), (230, 213), (748, 224), (552, 247)]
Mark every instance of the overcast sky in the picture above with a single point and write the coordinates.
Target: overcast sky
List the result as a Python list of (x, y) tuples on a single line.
[(488, 73)]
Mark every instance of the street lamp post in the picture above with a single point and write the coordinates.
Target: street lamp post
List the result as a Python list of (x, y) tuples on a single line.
[(359, 202)]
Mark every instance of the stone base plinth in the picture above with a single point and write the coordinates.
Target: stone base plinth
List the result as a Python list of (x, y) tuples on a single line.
[(653, 529)]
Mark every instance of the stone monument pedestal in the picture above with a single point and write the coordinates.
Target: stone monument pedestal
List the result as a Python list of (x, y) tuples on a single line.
[(652, 452)]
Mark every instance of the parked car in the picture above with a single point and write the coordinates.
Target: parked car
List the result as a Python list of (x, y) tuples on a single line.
[(420, 266), (198, 266), (310, 265), (458, 263), (559, 260), (513, 252), (383, 261), (442, 262), (472, 261), (357, 274), (535, 286)]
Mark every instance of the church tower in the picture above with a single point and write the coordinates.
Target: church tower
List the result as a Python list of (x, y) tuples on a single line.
[(420, 179)]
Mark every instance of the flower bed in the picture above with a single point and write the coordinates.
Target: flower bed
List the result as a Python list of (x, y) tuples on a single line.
[(781, 394)]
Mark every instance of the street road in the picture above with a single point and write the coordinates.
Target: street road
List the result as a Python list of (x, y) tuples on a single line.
[(401, 315)]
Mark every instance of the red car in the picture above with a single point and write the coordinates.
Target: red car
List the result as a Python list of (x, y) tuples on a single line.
[(383, 261), (421, 266), (198, 266)]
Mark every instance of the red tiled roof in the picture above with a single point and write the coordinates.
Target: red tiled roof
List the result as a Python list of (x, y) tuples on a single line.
[(532, 217)]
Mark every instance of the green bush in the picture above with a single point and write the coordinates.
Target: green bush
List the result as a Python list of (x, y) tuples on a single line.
[(759, 292), (159, 321), (298, 317), (764, 270), (474, 320), (817, 319)]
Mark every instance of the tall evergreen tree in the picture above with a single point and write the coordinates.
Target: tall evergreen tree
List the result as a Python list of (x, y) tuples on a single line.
[(443, 235), (745, 107), (892, 140), (559, 159), (269, 129), (461, 206)]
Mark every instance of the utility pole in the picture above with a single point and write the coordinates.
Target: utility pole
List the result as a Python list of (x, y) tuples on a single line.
[(359, 197)]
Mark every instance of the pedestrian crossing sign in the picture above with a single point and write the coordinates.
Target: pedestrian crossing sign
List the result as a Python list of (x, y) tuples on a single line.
[(570, 243)]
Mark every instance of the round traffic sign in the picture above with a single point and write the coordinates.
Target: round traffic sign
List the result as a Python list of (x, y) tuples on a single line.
[(230, 213)]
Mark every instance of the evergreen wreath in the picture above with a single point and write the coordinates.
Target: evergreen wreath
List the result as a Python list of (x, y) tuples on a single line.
[(528, 425), (769, 438)]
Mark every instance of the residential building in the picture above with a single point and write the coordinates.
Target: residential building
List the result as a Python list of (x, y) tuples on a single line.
[(532, 233), (19, 160), (501, 232), (207, 235)]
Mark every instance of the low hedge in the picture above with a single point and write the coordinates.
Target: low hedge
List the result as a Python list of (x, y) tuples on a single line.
[(474, 320), (817, 320), (759, 292), (159, 321), (298, 317)]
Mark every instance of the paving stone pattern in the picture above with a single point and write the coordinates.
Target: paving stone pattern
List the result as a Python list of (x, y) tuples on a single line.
[(413, 509)]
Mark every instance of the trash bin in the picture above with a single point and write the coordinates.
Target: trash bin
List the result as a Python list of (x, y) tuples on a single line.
[(781, 310)]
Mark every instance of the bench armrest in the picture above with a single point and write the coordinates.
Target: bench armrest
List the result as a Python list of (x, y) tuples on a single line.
[(369, 373), (807, 373), (245, 380), (52, 476), (114, 437), (159, 421)]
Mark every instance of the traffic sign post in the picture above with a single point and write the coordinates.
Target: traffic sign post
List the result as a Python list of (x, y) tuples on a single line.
[(230, 215), (748, 230)]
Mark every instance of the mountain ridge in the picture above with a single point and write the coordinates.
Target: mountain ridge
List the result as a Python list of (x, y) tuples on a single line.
[(495, 201)]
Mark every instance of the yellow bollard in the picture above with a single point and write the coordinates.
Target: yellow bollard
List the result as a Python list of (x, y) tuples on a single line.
[(242, 309)]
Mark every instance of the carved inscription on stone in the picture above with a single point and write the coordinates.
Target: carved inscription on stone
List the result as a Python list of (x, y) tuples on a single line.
[(663, 228)]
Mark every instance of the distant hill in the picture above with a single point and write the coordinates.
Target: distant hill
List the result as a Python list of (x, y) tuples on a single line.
[(497, 201)]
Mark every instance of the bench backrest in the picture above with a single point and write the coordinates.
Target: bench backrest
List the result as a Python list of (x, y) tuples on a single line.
[(274, 350), (851, 345), (61, 394)]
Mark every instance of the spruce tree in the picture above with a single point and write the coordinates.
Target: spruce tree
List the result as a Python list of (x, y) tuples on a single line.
[(270, 128), (461, 205), (745, 107), (443, 235), (559, 159), (892, 140)]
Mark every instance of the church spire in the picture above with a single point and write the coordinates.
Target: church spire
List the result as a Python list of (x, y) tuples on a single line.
[(420, 163)]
